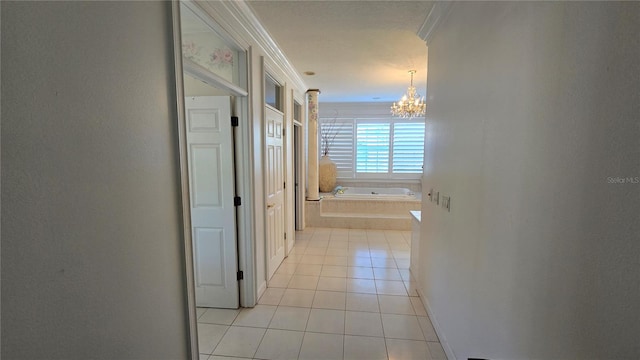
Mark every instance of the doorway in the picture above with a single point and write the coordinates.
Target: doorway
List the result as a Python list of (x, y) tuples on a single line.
[(215, 167), (274, 133)]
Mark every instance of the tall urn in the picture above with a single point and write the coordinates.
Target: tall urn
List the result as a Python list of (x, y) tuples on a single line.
[(328, 172)]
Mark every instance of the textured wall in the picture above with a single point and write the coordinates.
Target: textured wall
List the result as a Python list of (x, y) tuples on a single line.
[(533, 115), (91, 226)]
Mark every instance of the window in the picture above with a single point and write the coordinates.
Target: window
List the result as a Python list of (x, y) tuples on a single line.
[(272, 93), (377, 149), (341, 149), (408, 147), (297, 111), (372, 148)]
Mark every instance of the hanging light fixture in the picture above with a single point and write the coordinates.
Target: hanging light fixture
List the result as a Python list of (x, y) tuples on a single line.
[(411, 103)]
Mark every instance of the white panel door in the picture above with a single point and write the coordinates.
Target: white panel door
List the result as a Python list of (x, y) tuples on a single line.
[(213, 214), (275, 189)]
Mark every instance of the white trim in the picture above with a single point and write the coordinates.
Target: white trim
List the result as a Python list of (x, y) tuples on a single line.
[(261, 290), (199, 11), (190, 292), (436, 326), (435, 17), (289, 173), (215, 80), (236, 21), (260, 100), (246, 224), (245, 16), (302, 163), (270, 72), (267, 106), (244, 153), (244, 182), (289, 166), (298, 189)]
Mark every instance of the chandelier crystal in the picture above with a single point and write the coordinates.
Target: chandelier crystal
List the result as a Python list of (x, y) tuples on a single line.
[(411, 103)]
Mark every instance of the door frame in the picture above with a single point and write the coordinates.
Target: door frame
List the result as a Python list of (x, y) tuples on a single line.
[(245, 221), (298, 143)]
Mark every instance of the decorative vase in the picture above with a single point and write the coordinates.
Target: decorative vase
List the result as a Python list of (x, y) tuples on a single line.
[(328, 172)]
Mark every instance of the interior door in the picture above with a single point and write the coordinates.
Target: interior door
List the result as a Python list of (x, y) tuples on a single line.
[(213, 214), (275, 189)]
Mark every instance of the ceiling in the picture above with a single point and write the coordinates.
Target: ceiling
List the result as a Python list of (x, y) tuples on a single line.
[(360, 51)]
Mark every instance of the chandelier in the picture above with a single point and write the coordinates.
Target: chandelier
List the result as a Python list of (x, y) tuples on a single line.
[(411, 103)]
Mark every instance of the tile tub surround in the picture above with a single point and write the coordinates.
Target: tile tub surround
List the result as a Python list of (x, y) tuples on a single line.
[(357, 321), (331, 212)]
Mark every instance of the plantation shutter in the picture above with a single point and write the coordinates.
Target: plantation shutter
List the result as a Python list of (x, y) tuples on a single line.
[(408, 147), (372, 148), (379, 148), (341, 149)]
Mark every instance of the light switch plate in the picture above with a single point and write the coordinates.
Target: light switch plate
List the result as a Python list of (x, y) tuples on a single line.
[(446, 202)]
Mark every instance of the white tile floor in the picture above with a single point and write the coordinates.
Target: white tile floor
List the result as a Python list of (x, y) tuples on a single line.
[(340, 294)]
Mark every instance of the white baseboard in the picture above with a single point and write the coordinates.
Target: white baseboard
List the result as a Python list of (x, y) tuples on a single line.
[(436, 326), (261, 289)]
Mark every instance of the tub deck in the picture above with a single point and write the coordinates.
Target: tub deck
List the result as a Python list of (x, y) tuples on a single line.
[(379, 214)]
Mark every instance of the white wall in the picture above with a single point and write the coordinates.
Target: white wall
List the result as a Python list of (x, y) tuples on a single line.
[(92, 263), (532, 108), (330, 110)]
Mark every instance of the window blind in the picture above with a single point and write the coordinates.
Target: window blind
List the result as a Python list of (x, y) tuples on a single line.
[(408, 147), (372, 147), (341, 149), (376, 149)]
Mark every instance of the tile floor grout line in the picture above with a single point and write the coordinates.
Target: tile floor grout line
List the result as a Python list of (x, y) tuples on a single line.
[(219, 341), (260, 343)]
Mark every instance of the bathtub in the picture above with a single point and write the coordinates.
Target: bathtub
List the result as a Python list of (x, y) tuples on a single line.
[(364, 208), (371, 193)]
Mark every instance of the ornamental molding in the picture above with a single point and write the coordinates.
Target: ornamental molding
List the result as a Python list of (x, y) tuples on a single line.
[(436, 16), (238, 16)]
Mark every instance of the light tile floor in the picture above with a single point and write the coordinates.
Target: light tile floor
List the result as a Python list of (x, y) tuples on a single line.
[(340, 294)]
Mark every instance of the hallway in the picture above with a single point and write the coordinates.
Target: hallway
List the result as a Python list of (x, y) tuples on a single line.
[(341, 294)]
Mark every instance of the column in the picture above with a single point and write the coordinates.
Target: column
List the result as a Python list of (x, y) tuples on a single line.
[(312, 144)]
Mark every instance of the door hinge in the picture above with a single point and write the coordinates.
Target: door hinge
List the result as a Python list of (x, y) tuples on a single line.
[(284, 185), (285, 236), (284, 132), (237, 201), (240, 275), (234, 121)]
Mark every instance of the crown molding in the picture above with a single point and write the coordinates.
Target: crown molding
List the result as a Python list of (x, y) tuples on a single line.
[(436, 16), (247, 20)]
